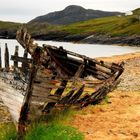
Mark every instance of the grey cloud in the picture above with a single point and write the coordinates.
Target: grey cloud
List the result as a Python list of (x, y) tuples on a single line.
[(19, 10)]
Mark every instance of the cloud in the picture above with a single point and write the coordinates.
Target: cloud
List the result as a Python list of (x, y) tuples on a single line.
[(19, 10)]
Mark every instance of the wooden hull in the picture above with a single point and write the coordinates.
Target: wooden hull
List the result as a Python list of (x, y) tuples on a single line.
[(53, 78), (12, 97)]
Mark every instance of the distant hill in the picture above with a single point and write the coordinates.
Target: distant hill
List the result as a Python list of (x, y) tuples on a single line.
[(136, 11), (72, 14), (106, 30), (8, 29)]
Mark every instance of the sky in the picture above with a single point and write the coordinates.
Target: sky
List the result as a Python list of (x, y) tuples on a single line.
[(25, 10)]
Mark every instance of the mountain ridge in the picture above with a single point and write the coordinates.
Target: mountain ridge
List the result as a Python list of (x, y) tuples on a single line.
[(72, 14)]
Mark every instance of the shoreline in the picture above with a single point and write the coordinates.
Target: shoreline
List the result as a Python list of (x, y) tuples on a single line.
[(132, 41), (119, 58)]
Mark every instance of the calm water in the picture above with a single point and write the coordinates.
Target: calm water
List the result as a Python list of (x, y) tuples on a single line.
[(91, 50)]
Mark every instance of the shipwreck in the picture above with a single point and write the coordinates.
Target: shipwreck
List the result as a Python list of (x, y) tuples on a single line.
[(52, 78)]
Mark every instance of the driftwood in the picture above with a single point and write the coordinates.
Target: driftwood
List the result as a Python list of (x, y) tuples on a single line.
[(51, 78)]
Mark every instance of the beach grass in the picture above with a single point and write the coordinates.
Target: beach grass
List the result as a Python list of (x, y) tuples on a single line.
[(49, 127)]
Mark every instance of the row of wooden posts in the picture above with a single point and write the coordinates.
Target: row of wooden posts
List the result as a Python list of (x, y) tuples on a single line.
[(15, 58)]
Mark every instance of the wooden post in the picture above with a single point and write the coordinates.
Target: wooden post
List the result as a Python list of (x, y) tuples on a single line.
[(25, 65), (26, 105), (25, 108), (16, 54), (0, 59), (6, 57)]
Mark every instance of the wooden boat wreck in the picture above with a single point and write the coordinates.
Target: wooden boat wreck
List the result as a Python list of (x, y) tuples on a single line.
[(52, 78)]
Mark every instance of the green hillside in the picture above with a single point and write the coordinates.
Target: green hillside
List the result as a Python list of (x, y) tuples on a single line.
[(111, 26), (136, 11), (114, 26), (8, 25), (40, 28), (8, 29)]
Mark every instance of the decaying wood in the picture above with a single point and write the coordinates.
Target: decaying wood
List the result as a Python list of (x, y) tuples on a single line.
[(76, 96), (25, 66), (65, 99), (25, 108), (16, 54), (58, 93), (26, 103), (21, 59), (12, 93), (6, 57), (52, 77)]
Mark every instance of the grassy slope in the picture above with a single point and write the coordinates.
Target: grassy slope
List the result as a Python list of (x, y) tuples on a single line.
[(115, 26), (9, 25), (54, 126), (137, 11), (41, 28)]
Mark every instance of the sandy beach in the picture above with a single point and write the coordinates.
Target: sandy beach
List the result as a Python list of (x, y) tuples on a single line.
[(119, 119)]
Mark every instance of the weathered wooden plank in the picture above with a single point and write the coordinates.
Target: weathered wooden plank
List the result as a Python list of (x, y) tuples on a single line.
[(58, 93), (97, 74), (85, 101), (65, 71), (120, 71), (16, 107), (102, 69), (44, 100), (100, 92), (4, 86), (65, 99), (12, 99), (47, 85), (19, 99), (40, 91), (6, 57), (90, 68), (80, 71), (84, 98), (101, 63), (75, 97), (16, 54), (25, 66), (21, 59)]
